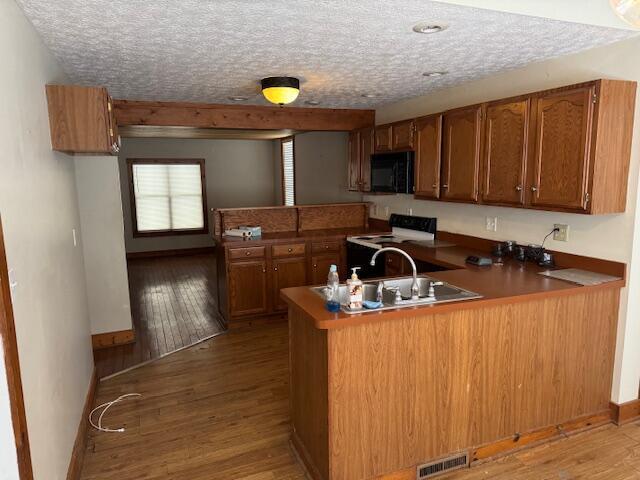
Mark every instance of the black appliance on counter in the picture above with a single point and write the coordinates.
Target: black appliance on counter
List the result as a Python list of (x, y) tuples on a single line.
[(392, 172), (405, 228)]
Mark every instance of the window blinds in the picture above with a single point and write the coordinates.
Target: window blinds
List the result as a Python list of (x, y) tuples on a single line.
[(168, 196), (288, 173)]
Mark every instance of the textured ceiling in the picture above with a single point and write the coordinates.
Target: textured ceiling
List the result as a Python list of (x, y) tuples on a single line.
[(208, 50)]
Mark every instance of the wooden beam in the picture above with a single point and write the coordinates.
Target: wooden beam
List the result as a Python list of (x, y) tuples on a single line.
[(203, 115)]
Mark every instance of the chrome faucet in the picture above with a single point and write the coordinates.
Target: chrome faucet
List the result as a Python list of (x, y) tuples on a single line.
[(415, 290)]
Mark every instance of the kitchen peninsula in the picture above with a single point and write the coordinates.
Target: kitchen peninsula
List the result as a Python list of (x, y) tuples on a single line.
[(377, 395), (297, 247)]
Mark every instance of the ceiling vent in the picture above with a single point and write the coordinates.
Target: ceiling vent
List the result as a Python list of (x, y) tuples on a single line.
[(444, 465)]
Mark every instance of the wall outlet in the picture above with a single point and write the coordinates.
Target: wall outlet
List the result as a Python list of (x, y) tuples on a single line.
[(75, 237), (386, 212), (410, 211), (562, 232), (491, 224)]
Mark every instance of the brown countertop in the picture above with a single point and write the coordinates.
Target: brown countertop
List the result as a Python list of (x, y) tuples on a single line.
[(498, 284), (286, 237)]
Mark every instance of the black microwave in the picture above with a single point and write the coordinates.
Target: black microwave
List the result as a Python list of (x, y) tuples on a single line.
[(392, 172)]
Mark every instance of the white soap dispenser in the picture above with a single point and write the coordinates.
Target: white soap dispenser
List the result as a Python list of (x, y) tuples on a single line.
[(354, 284)]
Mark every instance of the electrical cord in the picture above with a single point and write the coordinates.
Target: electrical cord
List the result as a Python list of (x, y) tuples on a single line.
[(556, 229), (107, 406)]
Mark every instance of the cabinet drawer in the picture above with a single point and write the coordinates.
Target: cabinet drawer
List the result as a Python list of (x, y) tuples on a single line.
[(292, 250), (246, 252), (318, 247)]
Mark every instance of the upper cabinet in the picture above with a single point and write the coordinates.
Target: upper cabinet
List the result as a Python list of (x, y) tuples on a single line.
[(394, 136), (561, 157), (383, 137), (504, 161), (359, 161), (82, 120), (461, 154), (565, 149), (428, 144)]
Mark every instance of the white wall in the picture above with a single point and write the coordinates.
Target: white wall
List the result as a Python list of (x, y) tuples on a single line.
[(105, 266), (239, 173), (8, 456), (606, 236), (38, 204), (320, 169)]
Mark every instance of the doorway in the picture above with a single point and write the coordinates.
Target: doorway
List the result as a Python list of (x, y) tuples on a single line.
[(12, 366)]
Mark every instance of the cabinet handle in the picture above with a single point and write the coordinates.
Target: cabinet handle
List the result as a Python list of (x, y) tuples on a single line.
[(315, 266), (446, 185), (326, 247), (247, 253), (264, 270), (275, 269), (519, 188), (534, 189), (435, 185), (289, 250)]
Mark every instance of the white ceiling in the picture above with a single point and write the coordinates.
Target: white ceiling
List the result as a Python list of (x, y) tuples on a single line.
[(208, 50)]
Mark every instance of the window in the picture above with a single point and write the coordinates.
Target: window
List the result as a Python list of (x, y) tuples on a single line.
[(167, 196), (288, 172)]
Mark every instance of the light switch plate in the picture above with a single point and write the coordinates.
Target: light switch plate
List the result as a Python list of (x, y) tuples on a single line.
[(562, 234), (491, 224)]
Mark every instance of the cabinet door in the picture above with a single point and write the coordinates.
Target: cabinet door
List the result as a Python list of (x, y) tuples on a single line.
[(402, 134), (428, 141), (505, 153), (383, 138), (461, 158), (287, 272), (561, 161), (354, 161), (247, 287), (366, 149), (320, 267), (395, 265)]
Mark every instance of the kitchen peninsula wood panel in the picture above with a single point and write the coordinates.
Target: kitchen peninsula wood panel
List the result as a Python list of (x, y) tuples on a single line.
[(406, 390), (311, 217)]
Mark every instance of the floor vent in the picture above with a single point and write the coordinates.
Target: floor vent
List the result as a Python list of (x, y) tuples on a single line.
[(432, 469)]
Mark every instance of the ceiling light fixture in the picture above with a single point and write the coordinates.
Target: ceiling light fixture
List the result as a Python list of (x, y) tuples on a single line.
[(429, 27), (238, 99), (434, 74), (280, 90), (627, 10)]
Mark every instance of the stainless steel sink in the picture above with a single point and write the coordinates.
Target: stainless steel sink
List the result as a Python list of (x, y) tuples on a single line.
[(396, 293)]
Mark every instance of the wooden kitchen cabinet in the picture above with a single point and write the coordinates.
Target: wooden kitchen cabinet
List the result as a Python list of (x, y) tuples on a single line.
[(504, 162), (428, 154), (359, 161), (353, 161), (247, 287), (383, 138), (461, 154), (320, 267), (561, 159), (402, 135), (286, 272), (82, 120)]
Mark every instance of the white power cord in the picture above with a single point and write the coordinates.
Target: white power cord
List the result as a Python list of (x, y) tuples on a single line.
[(106, 407)]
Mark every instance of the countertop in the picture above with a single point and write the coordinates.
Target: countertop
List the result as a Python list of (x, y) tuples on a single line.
[(285, 237), (498, 284)]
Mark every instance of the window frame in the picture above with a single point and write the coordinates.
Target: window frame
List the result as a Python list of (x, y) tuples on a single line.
[(132, 197), (282, 185)]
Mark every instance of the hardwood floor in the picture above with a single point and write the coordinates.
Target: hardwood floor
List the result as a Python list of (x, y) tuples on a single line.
[(219, 410), (172, 305)]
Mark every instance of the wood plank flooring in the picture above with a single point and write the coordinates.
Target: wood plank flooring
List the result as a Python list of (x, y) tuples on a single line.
[(219, 410), (172, 305)]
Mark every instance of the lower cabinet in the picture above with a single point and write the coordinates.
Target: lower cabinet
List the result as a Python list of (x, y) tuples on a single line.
[(248, 287), (320, 265), (286, 272)]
